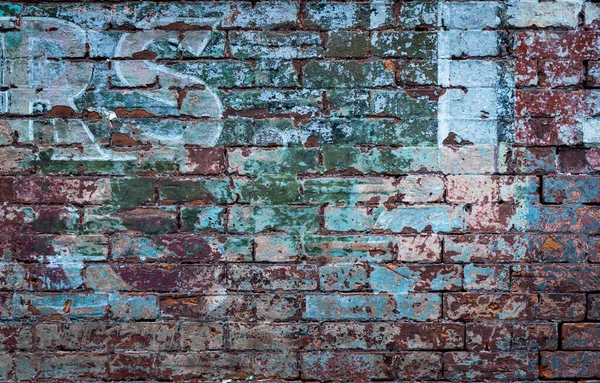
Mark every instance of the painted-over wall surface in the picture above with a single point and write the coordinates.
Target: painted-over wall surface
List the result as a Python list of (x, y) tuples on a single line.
[(300, 191)]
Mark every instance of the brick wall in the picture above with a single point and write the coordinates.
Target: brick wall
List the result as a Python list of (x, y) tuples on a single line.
[(300, 191)]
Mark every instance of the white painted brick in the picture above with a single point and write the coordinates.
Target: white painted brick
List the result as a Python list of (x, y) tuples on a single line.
[(476, 103), (469, 73), (470, 15), (475, 131), (468, 43), (524, 14)]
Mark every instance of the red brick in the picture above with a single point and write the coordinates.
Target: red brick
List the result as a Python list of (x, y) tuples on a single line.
[(526, 70), (503, 366), (389, 336), (574, 45), (581, 336), (569, 307), (556, 277), (359, 367), (556, 73), (592, 157), (202, 278), (508, 336), (273, 336), (523, 160), (132, 366), (205, 161), (7, 189), (486, 189), (573, 161), (254, 307), (481, 306), (570, 364), (551, 117), (49, 189)]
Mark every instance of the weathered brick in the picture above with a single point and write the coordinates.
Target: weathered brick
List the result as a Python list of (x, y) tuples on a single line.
[(257, 307), (131, 277), (341, 249), (204, 161), (6, 371), (400, 279), (346, 74), (508, 336), (15, 337), (415, 306), (457, 43), (569, 307), (344, 277), (260, 278), (334, 16), (130, 365), (59, 365), (202, 278), (561, 73), (558, 278), (142, 220), (471, 15), (59, 276), (387, 336), (415, 14), (402, 104), (482, 189), (580, 336), (403, 44), (572, 161), (214, 365), (297, 219), (593, 306), (276, 249), (471, 159), (85, 305), (487, 277), (470, 306), (366, 366), (202, 336), (16, 161), (573, 189), (349, 190), (346, 44), (41, 219), (420, 248), (569, 364), (202, 219), (507, 248), (490, 365), (273, 336), (523, 160), (272, 102), (272, 161), (202, 190), (181, 248), (62, 190), (275, 190), (542, 14), (287, 45), (101, 337), (389, 161), (404, 219)]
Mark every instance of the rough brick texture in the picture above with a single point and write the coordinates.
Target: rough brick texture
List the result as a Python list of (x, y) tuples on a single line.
[(317, 191)]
